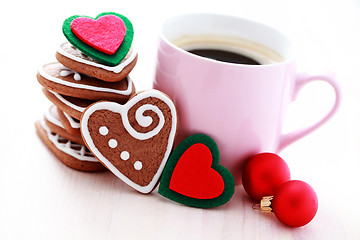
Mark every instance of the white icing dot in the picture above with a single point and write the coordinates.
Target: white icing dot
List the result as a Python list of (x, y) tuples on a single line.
[(138, 165), (66, 72), (103, 130), (112, 143), (77, 77), (124, 155)]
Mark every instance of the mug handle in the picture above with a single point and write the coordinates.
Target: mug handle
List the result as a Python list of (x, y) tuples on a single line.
[(301, 80)]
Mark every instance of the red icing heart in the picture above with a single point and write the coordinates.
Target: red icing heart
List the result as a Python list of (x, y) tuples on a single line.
[(193, 175), (104, 34)]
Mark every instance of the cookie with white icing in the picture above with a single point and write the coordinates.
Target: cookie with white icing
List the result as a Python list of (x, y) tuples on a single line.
[(74, 59), (51, 119), (133, 140), (71, 124), (73, 155), (70, 105), (58, 78)]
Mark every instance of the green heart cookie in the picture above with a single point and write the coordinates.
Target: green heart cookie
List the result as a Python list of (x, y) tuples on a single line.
[(110, 60)]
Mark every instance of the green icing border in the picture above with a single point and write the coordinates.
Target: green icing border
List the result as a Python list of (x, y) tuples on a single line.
[(229, 185), (110, 60)]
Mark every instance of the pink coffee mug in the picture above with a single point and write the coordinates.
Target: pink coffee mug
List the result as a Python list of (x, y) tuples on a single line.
[(242, 107)]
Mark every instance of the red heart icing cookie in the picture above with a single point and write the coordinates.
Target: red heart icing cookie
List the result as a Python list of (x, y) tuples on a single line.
[(133, 140), (104, 34), (193, 175)]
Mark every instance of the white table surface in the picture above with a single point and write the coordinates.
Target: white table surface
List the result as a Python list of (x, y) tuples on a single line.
[(40, 198)]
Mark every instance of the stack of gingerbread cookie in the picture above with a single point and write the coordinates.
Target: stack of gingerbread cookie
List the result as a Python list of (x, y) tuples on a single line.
[(98, 122), (91, 67)]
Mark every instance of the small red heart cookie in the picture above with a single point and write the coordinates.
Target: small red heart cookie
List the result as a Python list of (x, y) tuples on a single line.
[(104, 34), (133, 140), (193, 176), (107, 38)]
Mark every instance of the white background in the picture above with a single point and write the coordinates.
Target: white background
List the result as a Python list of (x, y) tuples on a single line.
[(40, 198)]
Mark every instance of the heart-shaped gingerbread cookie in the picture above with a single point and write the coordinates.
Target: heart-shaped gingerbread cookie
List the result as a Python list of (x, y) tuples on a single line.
[(133, 140)]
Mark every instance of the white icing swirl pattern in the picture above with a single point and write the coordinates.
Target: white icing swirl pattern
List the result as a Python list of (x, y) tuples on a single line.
[(145, 121)]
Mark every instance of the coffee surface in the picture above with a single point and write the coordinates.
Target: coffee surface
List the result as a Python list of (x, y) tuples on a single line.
[(224, 56), (228, 49)]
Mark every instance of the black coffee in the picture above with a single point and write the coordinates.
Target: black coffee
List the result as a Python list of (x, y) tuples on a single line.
[(224, 56)]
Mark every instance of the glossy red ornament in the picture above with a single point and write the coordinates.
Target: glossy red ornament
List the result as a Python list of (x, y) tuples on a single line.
[(263, 174), (295, 203)]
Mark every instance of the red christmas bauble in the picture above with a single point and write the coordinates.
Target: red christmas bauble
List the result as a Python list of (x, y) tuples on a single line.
[(295, 203), (263, 174)]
